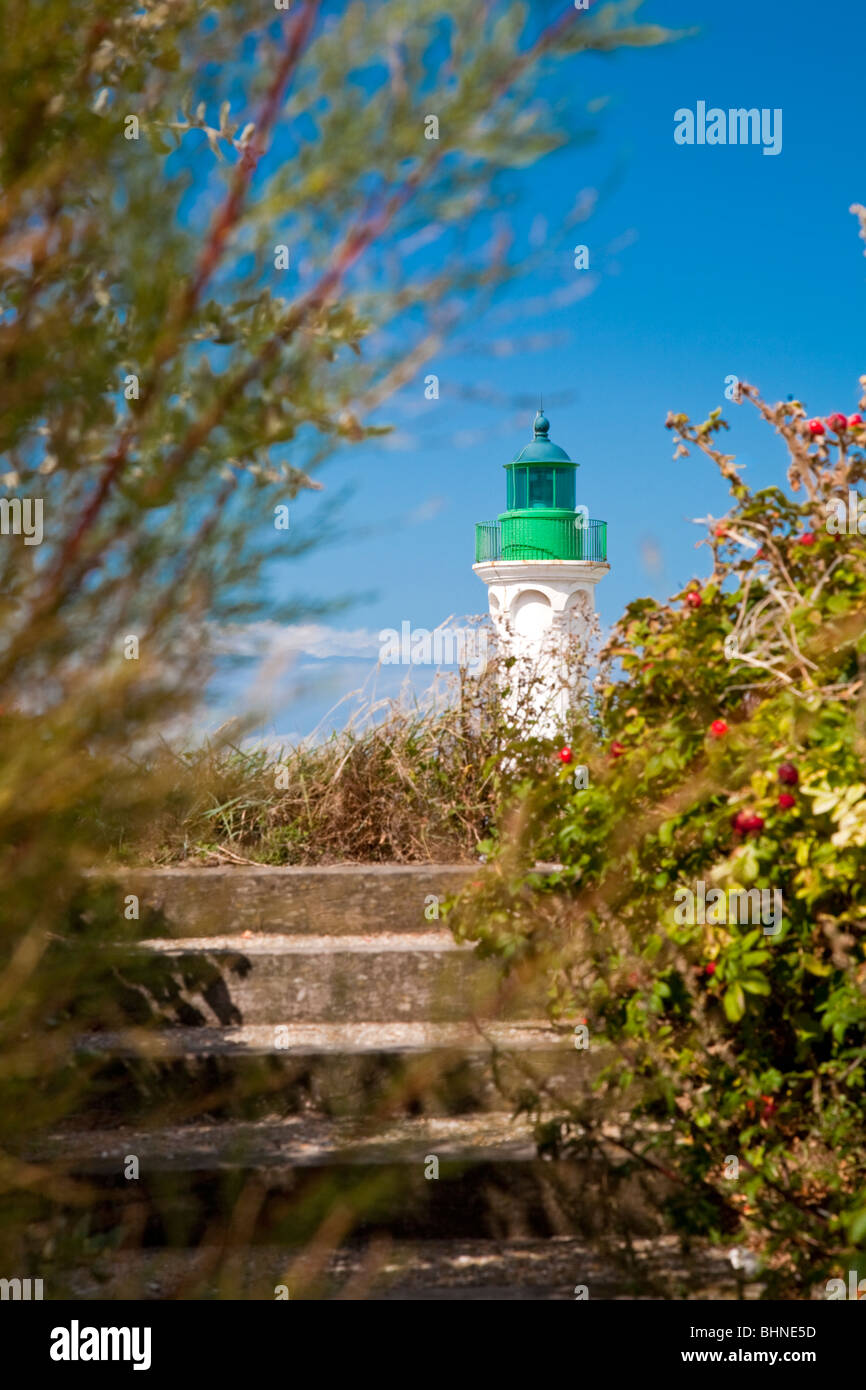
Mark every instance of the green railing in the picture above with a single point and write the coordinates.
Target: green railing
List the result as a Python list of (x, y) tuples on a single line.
[(541, 538)]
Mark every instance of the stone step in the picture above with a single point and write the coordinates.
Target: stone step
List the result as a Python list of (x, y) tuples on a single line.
[(516, 1270), (375, 977), (289, 1176), (298, 1141), (333, 1069), (339, 899), (319, 1039)]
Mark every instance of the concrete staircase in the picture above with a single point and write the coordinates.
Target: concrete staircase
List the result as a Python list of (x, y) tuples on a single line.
[(335, 1087)]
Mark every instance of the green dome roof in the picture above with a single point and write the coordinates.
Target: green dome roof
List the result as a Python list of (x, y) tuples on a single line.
[(541, 450)]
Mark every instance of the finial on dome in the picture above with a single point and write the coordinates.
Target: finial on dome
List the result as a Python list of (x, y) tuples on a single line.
[(542, 425)]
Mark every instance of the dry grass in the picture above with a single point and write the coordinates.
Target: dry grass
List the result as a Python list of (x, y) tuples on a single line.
[(403, 783), (408, 780)]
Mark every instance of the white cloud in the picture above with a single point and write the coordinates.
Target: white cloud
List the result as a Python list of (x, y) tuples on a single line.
[(270, 640), (426, 511)]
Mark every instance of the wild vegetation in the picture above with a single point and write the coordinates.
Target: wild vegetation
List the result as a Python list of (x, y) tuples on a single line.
[(163, 390), (199, 300)]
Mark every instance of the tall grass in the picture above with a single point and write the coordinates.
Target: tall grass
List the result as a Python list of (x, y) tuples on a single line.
[(408, 780)]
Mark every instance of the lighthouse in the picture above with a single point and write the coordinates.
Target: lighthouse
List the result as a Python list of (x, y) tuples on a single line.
[(541, 560)]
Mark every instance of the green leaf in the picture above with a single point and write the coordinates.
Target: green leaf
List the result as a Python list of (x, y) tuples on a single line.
[(816, 966), (747, 867), (857, 1226), (755, 985), (734, 1003), (838, 603)]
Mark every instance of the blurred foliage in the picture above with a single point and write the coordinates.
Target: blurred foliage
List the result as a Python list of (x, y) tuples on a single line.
[(164, 386)]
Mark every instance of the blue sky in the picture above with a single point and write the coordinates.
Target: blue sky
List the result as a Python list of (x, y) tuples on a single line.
[(706, 261)]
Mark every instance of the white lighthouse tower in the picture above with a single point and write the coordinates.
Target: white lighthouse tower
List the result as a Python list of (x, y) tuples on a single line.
[(541, 560)]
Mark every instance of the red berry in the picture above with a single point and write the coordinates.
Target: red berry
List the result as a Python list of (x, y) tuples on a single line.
[(759, 553), (807, 538), (837, 422), (565, 755), (753, 821), (816, 427), (711, 967), (693, 598), (854, 420), (718, 728), (786, 801), (720, 531), (617, 749), (788, 774)]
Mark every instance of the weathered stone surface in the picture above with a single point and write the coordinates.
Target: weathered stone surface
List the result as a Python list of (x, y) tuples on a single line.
[(338, 1038), (515, 1270), (300, 1141), (345, 1069), (375, 977), (336, 899)]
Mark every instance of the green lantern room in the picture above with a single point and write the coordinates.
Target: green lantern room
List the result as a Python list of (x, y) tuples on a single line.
[(541, 520)]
